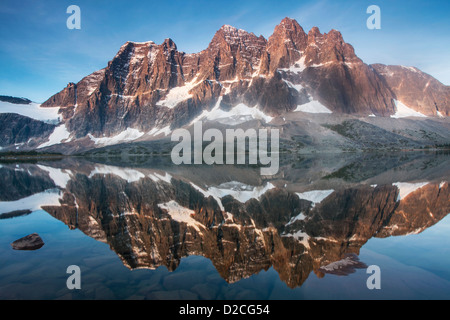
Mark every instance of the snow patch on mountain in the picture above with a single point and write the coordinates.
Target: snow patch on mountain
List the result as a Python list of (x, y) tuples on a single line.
[(297, 67), (130, 175), (402, 111), (178, 94), (125, 136), (32, 110), (297, 87), (158, 131), (59, 135), (313, 106), (238, 115)]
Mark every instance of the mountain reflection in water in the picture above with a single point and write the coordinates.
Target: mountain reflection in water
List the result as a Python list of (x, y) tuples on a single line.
[(314, 216)]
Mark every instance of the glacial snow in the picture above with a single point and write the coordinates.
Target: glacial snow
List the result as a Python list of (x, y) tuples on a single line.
[(297, 87), (59, 135), (32, 110), (313, 106), (297, 67), (238, 115), (127, 135), (178, 94), (300, 217), (402, 111), (158, 131)]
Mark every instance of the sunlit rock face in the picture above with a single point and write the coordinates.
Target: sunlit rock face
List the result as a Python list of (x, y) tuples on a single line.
[(149, 86)]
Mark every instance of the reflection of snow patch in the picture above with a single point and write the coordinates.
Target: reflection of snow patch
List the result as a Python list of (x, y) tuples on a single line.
[(300, 217), (157, 177), (239, 191), (35, 202), (127, 135), (406, 188), (301, 237), (127, 174), (316, 196), (181, 214), (60, 177), (208, 194), (345, 266)]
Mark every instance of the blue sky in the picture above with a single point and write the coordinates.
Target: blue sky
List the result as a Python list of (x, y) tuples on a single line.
[(39, 55)]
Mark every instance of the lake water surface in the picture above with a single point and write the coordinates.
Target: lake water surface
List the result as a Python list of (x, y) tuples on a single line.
[(141, 228)]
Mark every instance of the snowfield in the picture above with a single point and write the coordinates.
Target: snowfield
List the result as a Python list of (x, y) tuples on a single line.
[(127, 135), (313, 106), (32, 110), (59, 135), (402, 111)]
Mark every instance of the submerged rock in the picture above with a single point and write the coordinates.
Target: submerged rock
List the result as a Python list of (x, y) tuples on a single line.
[(30, 242)]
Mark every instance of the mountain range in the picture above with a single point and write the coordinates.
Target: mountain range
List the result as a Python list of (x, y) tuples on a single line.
[(147, 90)]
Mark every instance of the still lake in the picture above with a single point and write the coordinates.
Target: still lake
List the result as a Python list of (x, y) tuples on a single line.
[(141, 228)]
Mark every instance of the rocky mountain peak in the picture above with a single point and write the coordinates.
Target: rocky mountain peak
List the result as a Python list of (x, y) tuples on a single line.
[(169, 44), (231, 36), (335, 35), (149, 86), (289, 27)]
